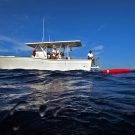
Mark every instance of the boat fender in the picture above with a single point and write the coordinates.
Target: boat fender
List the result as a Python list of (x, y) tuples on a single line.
[(34, 53)]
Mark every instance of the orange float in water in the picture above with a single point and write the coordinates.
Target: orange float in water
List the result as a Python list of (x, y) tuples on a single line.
[(116, 71)]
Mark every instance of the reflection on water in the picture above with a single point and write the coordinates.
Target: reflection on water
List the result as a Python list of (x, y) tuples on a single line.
[(73, 102)]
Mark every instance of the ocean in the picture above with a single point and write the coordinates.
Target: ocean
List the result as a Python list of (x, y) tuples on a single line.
[(36, 102)]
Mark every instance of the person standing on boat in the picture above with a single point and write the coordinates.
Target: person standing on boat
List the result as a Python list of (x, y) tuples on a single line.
[(54, 53), (91, 57)]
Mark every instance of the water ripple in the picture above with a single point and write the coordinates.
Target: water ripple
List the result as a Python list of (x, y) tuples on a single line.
[(71, 102)]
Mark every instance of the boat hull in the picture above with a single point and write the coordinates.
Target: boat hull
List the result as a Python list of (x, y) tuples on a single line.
[(43, 64)]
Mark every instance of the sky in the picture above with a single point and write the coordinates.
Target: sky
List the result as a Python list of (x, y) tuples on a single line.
[(107, 27)]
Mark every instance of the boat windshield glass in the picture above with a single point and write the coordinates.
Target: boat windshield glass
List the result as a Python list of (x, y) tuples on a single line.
[(38, 49)]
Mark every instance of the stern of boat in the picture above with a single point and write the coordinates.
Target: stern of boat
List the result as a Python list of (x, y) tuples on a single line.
[(96, 65)]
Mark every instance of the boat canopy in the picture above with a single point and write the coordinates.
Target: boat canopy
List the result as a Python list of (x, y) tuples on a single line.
[(72, 43)]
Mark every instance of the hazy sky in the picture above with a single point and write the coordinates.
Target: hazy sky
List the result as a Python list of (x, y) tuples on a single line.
[(107, 27)]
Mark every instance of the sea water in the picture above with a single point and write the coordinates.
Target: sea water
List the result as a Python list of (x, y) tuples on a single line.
[(34, 102)]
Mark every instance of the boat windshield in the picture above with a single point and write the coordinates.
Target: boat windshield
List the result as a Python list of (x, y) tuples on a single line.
[(38, 49)]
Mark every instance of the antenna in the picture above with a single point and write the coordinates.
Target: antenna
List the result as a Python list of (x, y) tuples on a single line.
[(43, 32)]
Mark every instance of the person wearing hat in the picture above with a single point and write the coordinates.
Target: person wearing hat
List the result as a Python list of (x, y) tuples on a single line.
[(54, 53), (91, 57)]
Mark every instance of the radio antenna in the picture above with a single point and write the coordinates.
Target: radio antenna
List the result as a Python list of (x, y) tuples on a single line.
[(43, 32)]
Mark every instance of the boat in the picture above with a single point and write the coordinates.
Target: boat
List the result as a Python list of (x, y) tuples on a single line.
[(41, 58), (114, 71)]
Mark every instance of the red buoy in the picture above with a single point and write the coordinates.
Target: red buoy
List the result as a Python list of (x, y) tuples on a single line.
[(116, 71)]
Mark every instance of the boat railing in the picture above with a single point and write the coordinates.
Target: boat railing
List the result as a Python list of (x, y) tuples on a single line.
[(95, 65), (97, 62)]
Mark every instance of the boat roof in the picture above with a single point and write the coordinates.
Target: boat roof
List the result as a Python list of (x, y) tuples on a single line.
[(71, 43)]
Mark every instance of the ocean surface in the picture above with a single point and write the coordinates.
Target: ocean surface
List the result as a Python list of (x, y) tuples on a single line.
[(36, 102)]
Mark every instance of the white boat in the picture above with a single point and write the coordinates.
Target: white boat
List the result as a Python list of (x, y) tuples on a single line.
[(41, 58)]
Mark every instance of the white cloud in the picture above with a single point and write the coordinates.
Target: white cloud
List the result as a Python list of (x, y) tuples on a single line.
[(24, 48), (100, 47), (97, 53), (9, 40), (3, 50), (98, 50), (16, 45), (100, 27), (23, 17)]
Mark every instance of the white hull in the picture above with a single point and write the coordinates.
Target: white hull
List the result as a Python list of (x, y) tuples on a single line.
[(43, 64)]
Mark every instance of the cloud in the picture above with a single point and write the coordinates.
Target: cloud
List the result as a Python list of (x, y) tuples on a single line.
[(4, 50), (97, 53), (16, 45), (98, 50), (23, 17), (100, 27), (9, 40), (100, 47)]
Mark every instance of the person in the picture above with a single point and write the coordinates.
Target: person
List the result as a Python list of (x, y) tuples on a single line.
[(91, 57), (54, 53)]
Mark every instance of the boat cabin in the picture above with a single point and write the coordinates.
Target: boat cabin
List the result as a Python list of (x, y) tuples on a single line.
[(63, 48)]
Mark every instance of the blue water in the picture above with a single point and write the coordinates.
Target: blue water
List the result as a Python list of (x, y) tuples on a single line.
[(36, 102)]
